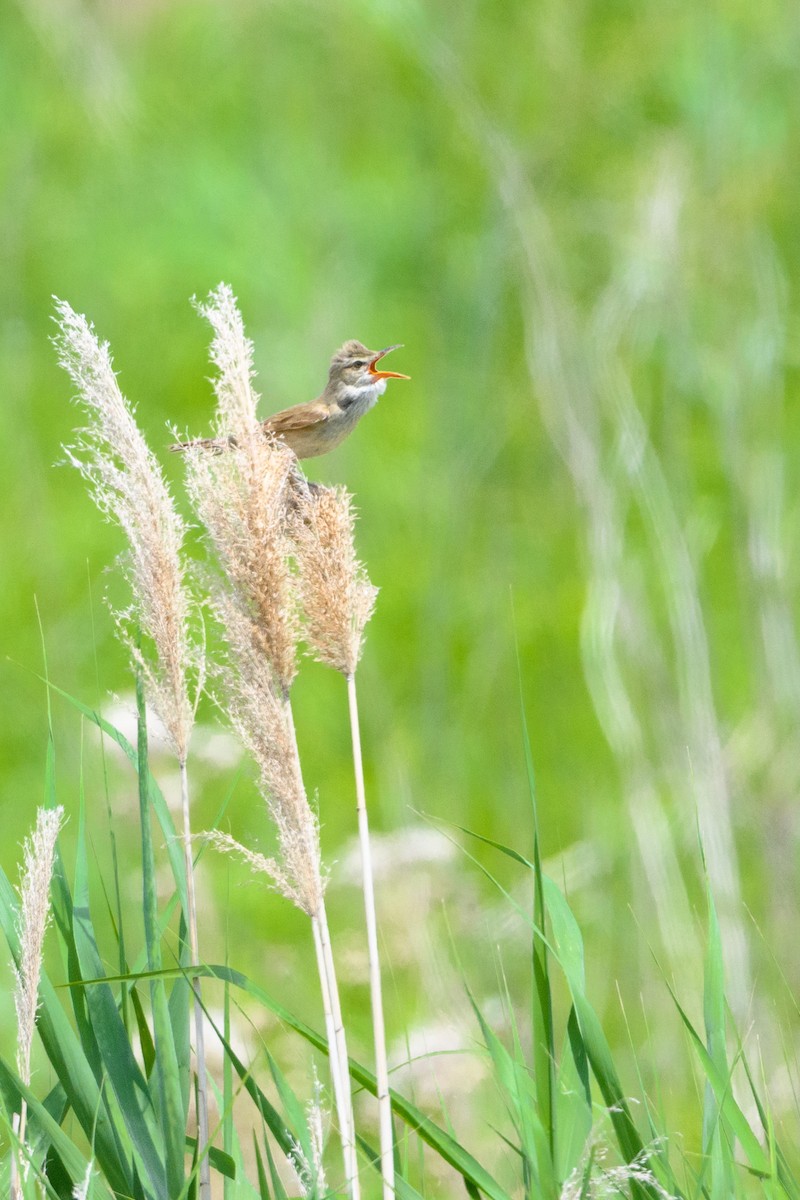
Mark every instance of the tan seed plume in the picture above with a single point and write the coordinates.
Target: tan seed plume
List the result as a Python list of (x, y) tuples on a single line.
[(128, 487), (336, 595), (241, 497), (232, 355), (258, 712), (34, 916)]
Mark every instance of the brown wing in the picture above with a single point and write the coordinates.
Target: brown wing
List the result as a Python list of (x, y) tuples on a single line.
[(302, 416)]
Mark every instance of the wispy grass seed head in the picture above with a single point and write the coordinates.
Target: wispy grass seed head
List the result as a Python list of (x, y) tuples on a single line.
[(258, 711), (336, 595), (232, 355), (593, 1179), (128, 487), (34, 916), (240, 495), (311, 1170), (240, 499)]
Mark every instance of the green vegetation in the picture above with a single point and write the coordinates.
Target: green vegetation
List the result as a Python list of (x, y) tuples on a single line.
[(580, 220)]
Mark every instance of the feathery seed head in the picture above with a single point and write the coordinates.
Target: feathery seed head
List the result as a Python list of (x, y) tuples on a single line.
[(259, 713), (336, 595), (241, 496), (311, 1171), (240, 499), (232, 355), (34, 915), (127, 485)]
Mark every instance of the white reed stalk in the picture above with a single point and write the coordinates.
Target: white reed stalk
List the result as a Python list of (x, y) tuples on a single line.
[(338, 600), (13, 1173), (337, 1050), (375, 989), (334, 1022)]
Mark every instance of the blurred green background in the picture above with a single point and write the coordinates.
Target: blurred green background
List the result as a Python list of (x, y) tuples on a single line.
[(581, 219)]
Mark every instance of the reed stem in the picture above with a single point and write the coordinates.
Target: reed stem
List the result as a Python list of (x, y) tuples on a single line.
[(334, 1024), (336, 1047), (376, 991), (18, 1129)]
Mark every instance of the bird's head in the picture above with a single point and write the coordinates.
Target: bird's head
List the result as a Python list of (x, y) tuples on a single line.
[(356, 367)]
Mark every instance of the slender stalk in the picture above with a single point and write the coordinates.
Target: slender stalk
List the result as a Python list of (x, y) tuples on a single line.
[(17, 1124), (335, 1033), (376, 992), (334, 1023), (191, 916)]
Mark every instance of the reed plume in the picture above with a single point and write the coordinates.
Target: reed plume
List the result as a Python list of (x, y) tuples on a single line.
[(244, 498), (128, 487), (256, 709), (337, 601), (34, 916), (336, 595)]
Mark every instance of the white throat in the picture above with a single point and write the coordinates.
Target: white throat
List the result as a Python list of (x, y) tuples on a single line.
[(363, 396)]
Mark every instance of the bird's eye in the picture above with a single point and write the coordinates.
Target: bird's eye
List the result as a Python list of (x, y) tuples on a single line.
[(360, 363)]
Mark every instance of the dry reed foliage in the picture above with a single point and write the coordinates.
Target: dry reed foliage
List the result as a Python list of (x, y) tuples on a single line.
[(241, 496), (34, 916), (336, 595), (262, 718), (128, 487)]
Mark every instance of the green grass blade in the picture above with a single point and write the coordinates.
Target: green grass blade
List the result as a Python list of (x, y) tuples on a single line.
[(720, 1082), (277, 1186), (573, 1101), (716, 1141), (145, 1037), (519, 1090), (124, 1075), (785, 1175), (542, 1035), (293, 1108), (263, 1185), (224, 1163), (569, 942), (64, 920)]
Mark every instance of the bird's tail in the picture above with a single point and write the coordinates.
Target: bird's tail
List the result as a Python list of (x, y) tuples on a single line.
[(215, 445)]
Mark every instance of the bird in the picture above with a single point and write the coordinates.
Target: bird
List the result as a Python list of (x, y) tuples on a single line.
[(353, 387)]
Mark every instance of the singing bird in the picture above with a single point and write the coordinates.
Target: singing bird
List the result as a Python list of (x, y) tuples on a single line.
[(353, 387)]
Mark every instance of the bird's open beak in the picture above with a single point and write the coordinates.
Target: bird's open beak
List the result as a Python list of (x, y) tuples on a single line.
[(385, 374)]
